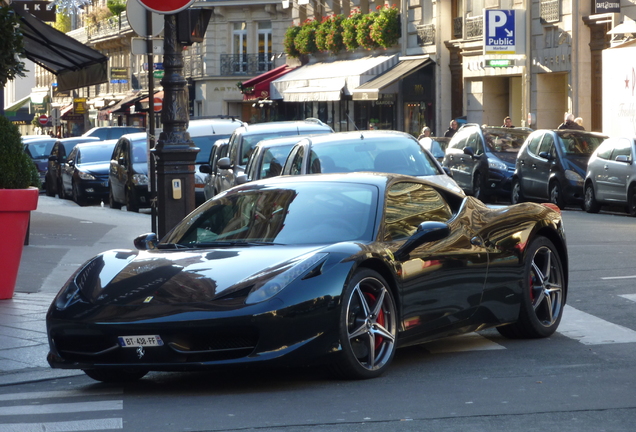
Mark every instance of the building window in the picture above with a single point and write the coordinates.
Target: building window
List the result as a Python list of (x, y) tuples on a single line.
[(264, 46), (550, 11), (239, 46)]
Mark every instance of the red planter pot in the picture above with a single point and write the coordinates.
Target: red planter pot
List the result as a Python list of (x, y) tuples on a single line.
[(15, 208)]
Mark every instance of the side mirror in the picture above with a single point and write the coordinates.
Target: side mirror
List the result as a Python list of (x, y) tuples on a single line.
[(121, 161), (241, 179), (546, 155), (469, 151), (224, 163), (146, 241), (206, 169), (623, 158), (447, 171), (52, 158), (426, 232)]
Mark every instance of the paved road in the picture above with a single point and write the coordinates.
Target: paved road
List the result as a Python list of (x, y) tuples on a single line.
[(581, 379)]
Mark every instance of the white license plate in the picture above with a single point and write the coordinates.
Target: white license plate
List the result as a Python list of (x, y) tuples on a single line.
[(137, 341)]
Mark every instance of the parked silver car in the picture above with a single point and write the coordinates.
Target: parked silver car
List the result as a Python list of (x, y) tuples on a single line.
[(611, 176)]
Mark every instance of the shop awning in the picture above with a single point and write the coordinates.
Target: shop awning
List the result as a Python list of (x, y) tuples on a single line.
[(371, 90), (12, 109), (74, 64), (259, 86), (123, 105), (327, 81), (66, 110), (145, 102)]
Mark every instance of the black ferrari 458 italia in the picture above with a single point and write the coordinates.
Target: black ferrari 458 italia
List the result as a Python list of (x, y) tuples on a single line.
[(337, 269)]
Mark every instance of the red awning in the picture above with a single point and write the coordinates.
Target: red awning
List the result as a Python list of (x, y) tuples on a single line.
[(258, 87)]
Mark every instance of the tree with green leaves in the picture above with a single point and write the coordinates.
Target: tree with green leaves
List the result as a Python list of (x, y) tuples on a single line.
[(12, 46)]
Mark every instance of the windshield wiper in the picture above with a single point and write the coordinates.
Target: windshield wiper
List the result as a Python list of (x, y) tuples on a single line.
[(172, 246), (235, 243)]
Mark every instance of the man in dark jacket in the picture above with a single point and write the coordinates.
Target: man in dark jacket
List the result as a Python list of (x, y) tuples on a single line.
[(451, 129), (569, 123)]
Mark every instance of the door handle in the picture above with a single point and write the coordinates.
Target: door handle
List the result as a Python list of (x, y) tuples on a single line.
[(605, 167), (476, 241)]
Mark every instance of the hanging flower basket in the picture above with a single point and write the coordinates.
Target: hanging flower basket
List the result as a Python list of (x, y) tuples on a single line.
[(363, 34), (350, 30), (305, 40), (289, 41), (385, 30)]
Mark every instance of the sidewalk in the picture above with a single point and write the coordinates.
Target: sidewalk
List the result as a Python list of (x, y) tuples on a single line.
[(63, 236)]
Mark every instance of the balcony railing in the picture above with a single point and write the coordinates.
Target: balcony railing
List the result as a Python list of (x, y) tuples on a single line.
[(458, 27), (550, 11), (109, 28), (245, 64), (426, 34), (474, 27)]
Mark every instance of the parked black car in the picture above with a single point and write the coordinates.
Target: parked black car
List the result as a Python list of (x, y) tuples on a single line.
[(111, 132), (57, 161), (245, 138), (219, 150), (128, 173), (85, 174), (552, 164), (39, 150), (268, 158), (481, 159)]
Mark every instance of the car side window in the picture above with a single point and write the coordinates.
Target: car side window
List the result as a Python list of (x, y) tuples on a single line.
[(73, 154), (533, 145), (459, 142), (297, 163), (605, 149), (623, 148), (408, 205), (547, 144), (474, 141)]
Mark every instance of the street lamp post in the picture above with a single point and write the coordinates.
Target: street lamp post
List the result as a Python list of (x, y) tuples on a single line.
[(175, 152)]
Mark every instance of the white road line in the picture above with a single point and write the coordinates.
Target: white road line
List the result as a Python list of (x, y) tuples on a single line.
[(631, 297), (467, 342), (618, 277), (62, 408), (591, 330), (68, 426), (59, 394)]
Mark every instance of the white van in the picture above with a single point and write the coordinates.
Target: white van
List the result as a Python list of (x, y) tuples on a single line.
[(204, 133)]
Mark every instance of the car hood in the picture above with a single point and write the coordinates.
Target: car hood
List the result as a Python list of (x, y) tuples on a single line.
[(507, 157), (101, 168), (446, 182), (141, 167), (127, 277), (577, 164)]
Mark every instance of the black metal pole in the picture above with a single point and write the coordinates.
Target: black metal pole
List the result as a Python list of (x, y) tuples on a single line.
[(175, 152), (151, 124)]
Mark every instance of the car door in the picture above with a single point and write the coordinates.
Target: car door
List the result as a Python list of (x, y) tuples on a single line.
[(597, 169), (459, 260), (66, 171), (456, 161), (524, 161), (118, 175), (618, 172), (538, 174)]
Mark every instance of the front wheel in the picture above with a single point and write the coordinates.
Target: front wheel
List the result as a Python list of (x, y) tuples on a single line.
[(556, 195), (115, 375), (77, 196), (132, 204), (631, 200), (516, 196), (478, 190), (543, 293), (368, 327), (111, 200), (590, 204)]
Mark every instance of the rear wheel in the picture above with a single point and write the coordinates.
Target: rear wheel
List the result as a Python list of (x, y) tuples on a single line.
[(590, 204), (556, 195), (49, 188), (132, 204), (77, 196), (478, 190), (516, 196), (60, 190), (631, 200), (113, 204), (543, 293), (368, 327), (115, 375)]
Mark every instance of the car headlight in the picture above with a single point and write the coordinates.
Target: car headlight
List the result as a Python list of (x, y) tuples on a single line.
[(140, 179), (496, 164), (265, 289), (85, 176), (573, 176)]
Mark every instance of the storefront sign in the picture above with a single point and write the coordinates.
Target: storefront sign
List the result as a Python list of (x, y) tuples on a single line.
[(500, 33), (79, 105), (38, 9), (601, 7), (119, 75)]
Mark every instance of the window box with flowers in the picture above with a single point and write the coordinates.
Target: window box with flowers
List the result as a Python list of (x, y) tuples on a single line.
[(305, 40), (385, 30), (289, 41), (350, 30), (329, 34), (363, 35)]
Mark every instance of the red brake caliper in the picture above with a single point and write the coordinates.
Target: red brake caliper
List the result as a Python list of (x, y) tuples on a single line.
[(372, 299)]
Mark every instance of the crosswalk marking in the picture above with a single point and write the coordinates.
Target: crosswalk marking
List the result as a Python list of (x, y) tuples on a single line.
[(591, 330), (631, 297), (60, 394), (467, 342), (68, 426), (62, 408)]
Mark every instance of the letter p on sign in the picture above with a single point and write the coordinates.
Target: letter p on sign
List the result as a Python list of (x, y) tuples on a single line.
[(497, 19)]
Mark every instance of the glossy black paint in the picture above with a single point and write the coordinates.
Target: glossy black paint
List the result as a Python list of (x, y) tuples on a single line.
[(128, 173), (447, 278), (57, 163)]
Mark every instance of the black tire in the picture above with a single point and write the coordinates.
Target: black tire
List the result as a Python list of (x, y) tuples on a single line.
[(631, 200), (516, 195), (590, 204), (111, 200), (368, 327), (478, 190), (132, 204), (115, 375), (77, 197), (61, 193), (48, 189), (543, 293), (556, 195)]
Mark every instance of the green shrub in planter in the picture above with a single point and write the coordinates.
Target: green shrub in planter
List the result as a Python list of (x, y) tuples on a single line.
[(289, 41), (17, 170)]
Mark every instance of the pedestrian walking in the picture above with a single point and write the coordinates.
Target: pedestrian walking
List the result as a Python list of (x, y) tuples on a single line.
[(452, 128)]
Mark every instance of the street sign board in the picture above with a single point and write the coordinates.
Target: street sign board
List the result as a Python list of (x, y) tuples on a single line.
[(139, 46), (158, 104), (136, 13), (43, 119), (56, 116), (500, 33), (166, 6)]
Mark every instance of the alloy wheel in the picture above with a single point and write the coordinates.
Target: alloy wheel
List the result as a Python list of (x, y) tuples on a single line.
[(546, 287)]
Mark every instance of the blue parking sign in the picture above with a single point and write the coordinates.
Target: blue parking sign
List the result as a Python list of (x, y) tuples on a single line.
[(500, 32)]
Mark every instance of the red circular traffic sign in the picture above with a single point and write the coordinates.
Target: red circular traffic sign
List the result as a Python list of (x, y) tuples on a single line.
[(166, 6), (158, 104), (43, 119)]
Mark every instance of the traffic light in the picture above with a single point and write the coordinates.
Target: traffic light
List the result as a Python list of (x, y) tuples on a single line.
[(192, 24)]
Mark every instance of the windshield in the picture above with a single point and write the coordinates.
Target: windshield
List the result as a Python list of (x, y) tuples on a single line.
[(250, 141), (94, 154), (305, 213), (205, 143), (505, 140), (40, 150), (579, 144), (139, 154), (377, 154)]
